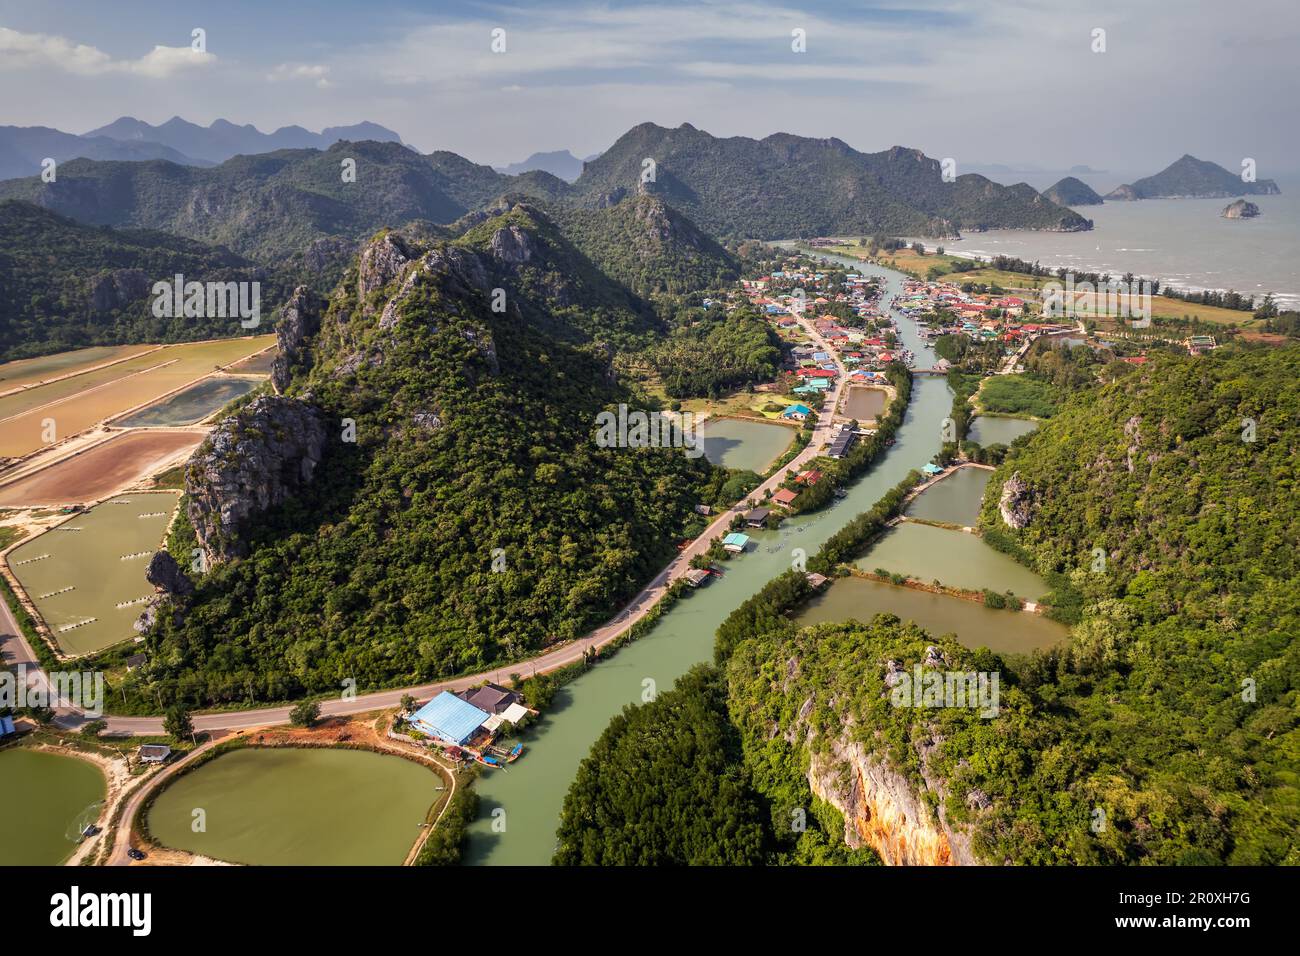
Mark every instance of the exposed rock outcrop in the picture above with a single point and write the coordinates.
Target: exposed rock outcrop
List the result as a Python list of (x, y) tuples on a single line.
[(166, 575), (113, 290), (882, 809), (1017, 504), (254, 460), (299, 320), (172, 588), (1241, 209), (380, 263), (512, 246)]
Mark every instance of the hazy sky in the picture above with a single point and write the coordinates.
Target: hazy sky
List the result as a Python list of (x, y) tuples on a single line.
[(983, 81)]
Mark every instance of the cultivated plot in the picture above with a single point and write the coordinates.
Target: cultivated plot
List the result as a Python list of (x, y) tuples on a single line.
[(25, 373), (86, 576), (191, 405), (72, 405), (92, 474)]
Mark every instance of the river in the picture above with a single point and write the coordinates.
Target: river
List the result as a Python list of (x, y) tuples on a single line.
[(530, 793)]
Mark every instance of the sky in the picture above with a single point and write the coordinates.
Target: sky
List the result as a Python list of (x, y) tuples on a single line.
[(1015, 82)]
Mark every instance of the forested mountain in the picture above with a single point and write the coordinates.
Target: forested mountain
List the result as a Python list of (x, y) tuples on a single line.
[(66, 285), (648, 246), (1162, 509), (785, 185), (274, 205), (1190, 177), (1072, 192), (558, 288), (1184, 476), (24, 148), (474, 431), (223, 139)]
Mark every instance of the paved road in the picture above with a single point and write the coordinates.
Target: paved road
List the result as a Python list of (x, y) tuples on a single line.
[(552, 660), (122, 835)]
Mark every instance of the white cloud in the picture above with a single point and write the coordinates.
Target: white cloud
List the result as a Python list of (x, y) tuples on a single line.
[(24, 51), (317, 72)]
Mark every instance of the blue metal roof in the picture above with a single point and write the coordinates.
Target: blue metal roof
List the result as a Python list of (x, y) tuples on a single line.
[(449, 718)]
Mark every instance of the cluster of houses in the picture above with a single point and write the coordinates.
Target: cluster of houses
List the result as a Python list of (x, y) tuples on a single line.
[(979, 317), (860, 351)]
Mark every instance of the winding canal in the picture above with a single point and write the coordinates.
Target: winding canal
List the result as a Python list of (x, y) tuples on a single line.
[(520, 806)]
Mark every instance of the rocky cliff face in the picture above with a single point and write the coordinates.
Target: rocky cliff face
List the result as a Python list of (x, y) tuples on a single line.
[(253, 460), (881, 809), (113, 290), (299, 320), (1017, 504)]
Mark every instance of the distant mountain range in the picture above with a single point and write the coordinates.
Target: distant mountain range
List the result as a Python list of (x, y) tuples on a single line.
[(1192, 178), (274, 206), (561, 163), (223, 139), (24, 148)]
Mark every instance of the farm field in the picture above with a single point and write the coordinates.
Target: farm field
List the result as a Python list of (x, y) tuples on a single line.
[(78, 573), (77, 403), (24, 373), (259, 364), (193, 404), (94, 473)]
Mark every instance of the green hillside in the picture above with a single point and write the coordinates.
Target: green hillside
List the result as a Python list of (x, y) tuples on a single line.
[(66, 285), (474, 431)]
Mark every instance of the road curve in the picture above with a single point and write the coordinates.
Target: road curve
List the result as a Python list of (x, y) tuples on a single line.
[(552, 660)]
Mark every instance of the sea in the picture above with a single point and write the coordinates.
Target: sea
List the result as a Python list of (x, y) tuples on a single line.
[(1186, 243)]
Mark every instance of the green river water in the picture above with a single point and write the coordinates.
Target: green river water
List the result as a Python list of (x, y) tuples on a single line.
[(520, 806), (49, 799)]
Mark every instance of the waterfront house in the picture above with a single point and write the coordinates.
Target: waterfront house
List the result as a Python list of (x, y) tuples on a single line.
[(735, 542), (809, 477), (449, 719), (757, 517), (492, 698), (697, 576)]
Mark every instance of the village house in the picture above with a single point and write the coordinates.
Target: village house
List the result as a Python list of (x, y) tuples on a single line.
[(785, 497)]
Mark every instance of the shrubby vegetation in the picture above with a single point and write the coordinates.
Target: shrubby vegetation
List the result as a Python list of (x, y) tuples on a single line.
[(446, 843), (1018, 395), (664, 785), (716, 353)]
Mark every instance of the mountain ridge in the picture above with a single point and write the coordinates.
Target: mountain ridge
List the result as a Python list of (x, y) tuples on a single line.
[(1190, 178)]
